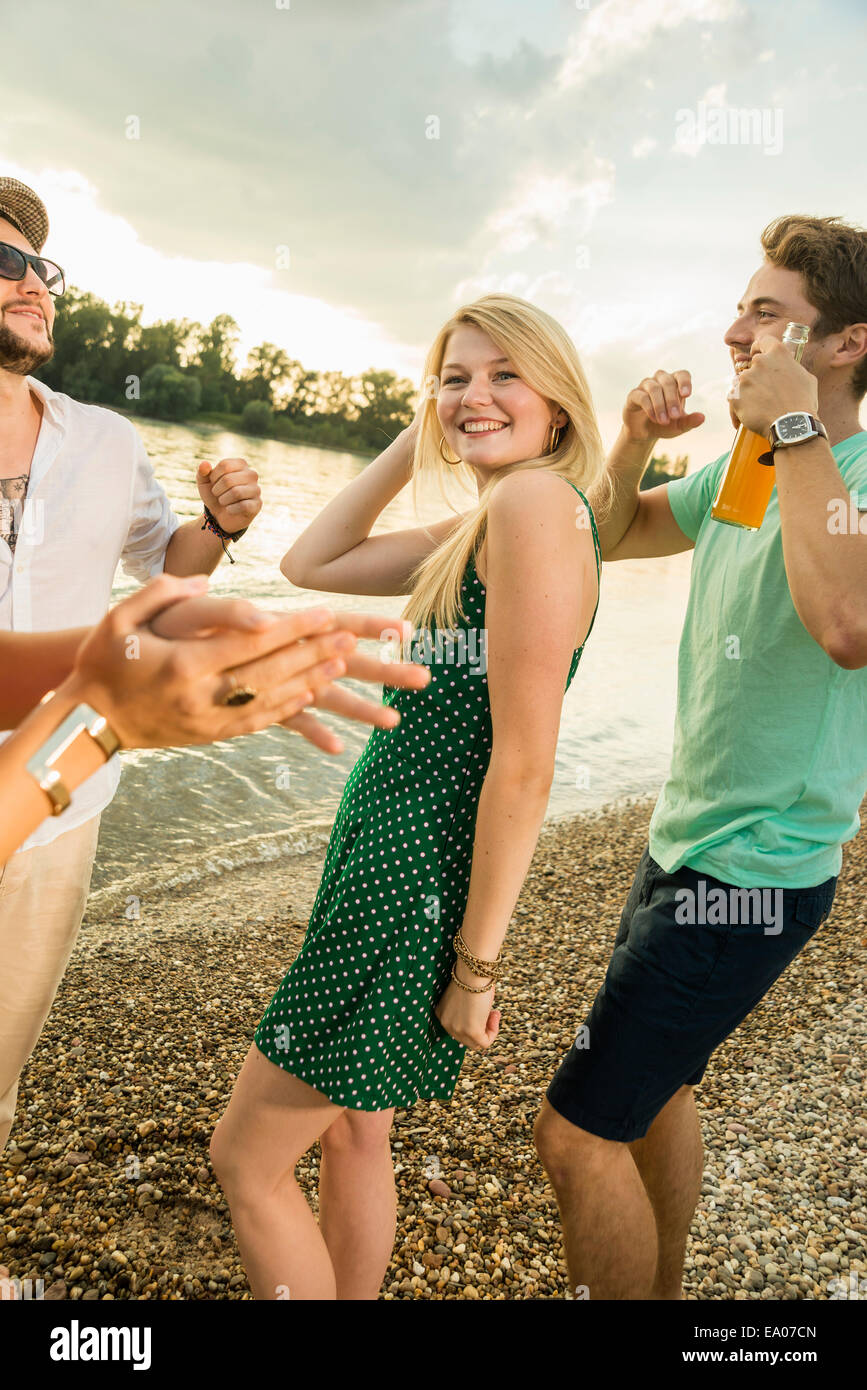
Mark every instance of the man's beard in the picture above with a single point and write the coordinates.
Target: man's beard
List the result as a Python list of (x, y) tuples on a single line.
[(19, 356)]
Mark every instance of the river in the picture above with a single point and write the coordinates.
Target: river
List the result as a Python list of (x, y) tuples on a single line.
[(183, 814)]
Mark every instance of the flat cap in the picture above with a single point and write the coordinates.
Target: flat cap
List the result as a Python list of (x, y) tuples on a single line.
[(25, 210)]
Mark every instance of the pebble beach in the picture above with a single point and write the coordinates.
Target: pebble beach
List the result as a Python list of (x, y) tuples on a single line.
[(106, 1190)]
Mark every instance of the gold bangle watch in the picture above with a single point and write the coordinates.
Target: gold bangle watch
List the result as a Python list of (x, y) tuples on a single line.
[(83, 720)]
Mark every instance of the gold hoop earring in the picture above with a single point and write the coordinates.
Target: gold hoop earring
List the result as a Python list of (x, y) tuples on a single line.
[(555, 430), (450, 462)]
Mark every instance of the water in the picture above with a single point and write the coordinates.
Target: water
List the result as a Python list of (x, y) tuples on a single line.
[(181, 815)]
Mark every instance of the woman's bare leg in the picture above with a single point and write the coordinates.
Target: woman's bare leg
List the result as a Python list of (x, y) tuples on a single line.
[(358, 1201), (271, 1120)]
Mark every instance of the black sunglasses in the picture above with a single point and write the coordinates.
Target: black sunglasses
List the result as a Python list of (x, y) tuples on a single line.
[(14, 263)]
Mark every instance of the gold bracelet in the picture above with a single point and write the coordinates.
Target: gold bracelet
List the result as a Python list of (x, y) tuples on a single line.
[(471, 989), (83, 720), (465, 951), (478, 966)]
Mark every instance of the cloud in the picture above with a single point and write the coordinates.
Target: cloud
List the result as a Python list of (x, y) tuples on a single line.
[(544, 204), (616, 29), (552, 174), (104, 253)]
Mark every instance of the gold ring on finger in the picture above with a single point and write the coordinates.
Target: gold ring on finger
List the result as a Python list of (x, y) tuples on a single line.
[(238, 694)]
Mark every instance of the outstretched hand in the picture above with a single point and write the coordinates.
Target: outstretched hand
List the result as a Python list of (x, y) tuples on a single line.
[(203, 618), (159, 665)]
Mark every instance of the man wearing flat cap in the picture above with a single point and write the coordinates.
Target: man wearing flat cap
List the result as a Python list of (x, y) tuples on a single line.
[(77, 496)]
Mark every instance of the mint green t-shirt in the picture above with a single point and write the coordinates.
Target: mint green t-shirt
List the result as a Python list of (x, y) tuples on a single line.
[(769, 764)]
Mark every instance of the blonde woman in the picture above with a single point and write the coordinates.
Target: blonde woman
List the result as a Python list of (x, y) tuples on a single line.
[(440, 816)]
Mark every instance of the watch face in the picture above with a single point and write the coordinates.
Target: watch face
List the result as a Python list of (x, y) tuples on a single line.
[(792, 427)]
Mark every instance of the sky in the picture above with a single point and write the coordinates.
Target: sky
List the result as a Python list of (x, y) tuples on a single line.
[(340, 175)]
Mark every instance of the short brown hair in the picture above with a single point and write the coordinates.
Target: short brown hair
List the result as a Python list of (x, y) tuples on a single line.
[(830, 255)]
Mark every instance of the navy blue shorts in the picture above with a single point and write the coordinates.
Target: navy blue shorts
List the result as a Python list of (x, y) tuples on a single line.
[(692, 958)]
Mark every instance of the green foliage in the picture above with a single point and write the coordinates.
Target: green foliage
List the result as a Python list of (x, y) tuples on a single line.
[(178, 369), (662, 470), (168, 393), (257, 417), (93, 348)]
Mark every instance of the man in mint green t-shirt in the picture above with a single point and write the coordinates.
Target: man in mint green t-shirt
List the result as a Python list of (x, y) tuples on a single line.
[(769, 765)]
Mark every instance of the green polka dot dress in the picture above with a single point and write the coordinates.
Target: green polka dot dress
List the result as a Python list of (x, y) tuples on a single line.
[(354, 1014)]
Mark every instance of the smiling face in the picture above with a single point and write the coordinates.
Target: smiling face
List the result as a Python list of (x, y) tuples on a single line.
[(489, 416), (26, 314), (774, 297)]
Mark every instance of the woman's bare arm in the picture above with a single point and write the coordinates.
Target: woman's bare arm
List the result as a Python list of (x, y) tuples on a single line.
[(336, 553), (541, 586), (166, 689)]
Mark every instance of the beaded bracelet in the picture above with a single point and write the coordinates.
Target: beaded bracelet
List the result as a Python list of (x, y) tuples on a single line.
[(471, 989), (478, 966), (211, 524)]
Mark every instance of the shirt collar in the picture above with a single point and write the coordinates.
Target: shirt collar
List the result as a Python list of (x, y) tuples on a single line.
[(51, 400), (52, 431)]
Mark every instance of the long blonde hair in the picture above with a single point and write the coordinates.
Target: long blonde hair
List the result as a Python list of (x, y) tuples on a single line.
[(547, 360)]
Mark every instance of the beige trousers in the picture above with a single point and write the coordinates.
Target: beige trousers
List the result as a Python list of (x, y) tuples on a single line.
[(43, 893)]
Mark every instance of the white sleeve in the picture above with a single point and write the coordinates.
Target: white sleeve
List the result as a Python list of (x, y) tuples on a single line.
[(152, 521)]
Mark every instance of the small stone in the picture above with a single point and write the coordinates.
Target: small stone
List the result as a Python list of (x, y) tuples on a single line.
[(438, 1188)]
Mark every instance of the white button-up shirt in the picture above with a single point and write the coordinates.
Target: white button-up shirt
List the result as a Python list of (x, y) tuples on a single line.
[(92, 501)]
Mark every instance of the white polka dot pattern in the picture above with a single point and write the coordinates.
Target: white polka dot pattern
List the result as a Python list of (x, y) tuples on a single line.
[(353, 1015)]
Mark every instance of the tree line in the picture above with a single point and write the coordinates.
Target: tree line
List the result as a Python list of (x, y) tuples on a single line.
[(182, 370)]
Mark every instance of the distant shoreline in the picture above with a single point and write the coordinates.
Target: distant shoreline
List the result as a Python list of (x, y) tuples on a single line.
[(224, 420), (661, 468)]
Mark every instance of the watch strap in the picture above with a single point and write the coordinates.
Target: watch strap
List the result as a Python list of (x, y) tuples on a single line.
[(818, 432)]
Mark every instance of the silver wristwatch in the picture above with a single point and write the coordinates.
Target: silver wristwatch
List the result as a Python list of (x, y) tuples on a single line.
[(794, 428)]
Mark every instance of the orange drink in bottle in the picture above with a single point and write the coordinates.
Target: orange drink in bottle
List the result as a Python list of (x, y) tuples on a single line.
[(746, 486)]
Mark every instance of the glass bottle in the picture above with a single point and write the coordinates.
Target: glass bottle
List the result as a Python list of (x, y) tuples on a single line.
[(746, 486)]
